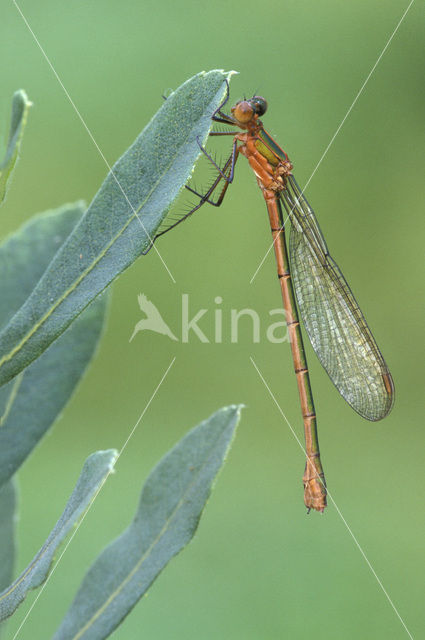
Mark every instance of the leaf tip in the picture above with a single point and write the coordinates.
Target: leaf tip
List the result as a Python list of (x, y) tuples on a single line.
[(112, 456), (237, 408)]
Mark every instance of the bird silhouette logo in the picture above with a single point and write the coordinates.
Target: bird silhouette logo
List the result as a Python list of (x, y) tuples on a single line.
[(153, 321)]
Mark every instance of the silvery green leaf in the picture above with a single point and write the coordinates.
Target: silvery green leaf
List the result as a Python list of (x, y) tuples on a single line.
[(120, 222), (20, 108), (95, 470), (170, 507), (8, 502), (31, 402)]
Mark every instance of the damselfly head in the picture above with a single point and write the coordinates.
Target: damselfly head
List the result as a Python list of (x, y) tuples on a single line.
[(245, 110)]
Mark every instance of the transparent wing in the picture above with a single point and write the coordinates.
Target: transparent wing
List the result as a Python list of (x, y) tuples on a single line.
[(335, 325)]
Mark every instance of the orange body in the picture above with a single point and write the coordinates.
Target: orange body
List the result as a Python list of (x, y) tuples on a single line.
[(271, 166)]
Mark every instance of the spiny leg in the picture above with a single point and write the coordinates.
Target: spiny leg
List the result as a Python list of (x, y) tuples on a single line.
[(231, 162), (218, 116), (228, 178), (223, 118), (203, 198)]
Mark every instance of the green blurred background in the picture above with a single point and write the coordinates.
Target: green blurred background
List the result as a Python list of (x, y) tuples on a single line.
[(259, 568)]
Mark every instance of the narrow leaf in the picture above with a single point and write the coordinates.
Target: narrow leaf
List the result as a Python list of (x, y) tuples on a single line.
[(95, 470), (20, 108), (119, 223), (170, 507), (31, 402), (8, 502)]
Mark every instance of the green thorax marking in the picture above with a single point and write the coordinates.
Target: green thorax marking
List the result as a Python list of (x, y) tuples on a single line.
[(269, 149)]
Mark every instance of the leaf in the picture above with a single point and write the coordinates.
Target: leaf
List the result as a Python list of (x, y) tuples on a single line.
[(31, 402), (95, 470), (20, 108), (170, 507), (8, 502), (118, 225)]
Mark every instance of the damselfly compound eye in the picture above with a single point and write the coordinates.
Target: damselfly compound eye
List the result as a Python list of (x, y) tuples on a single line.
[(259, 105)]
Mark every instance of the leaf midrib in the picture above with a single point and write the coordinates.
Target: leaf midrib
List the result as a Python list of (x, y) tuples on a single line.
[(155, 541), (8, 356)]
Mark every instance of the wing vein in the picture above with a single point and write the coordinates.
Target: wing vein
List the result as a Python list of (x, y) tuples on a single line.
[(333, 320)]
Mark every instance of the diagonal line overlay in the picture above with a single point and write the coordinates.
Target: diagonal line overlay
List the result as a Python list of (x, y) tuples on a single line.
[(43, 586), (338, 129), (356, 542), (83, 122)]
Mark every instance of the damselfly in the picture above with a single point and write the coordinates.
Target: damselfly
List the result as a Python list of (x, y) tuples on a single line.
[(332, 318)]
